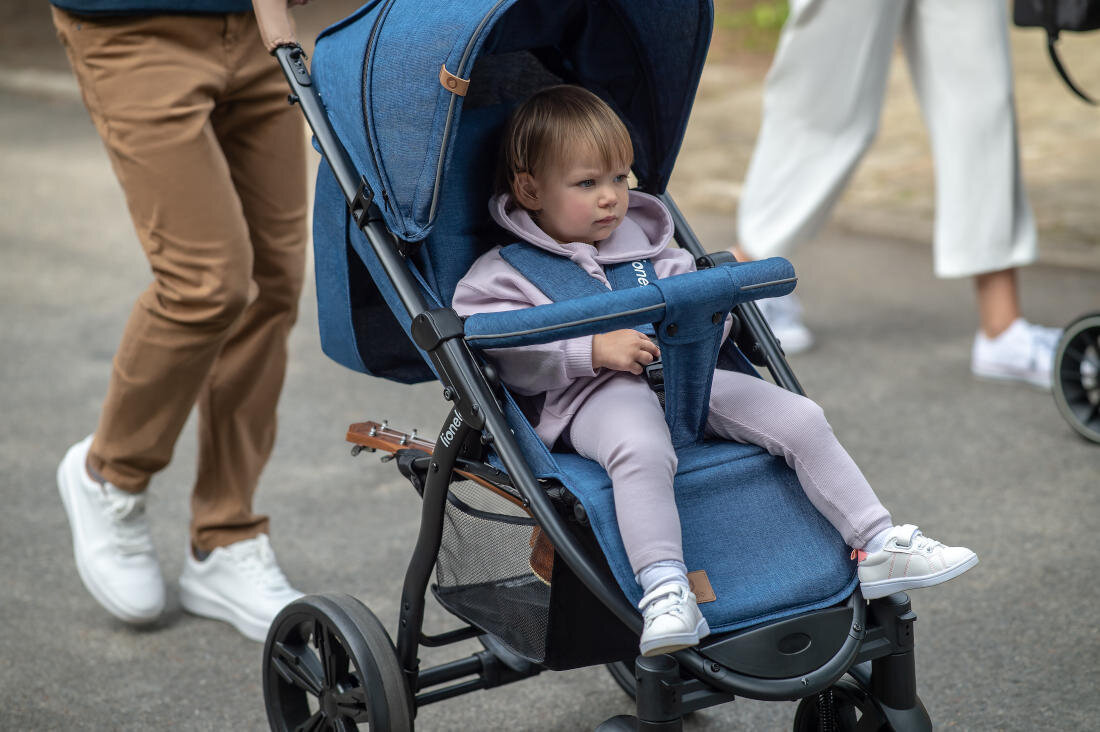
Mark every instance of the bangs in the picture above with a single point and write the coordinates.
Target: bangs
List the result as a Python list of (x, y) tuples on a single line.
[(592, 139), (557, 126)]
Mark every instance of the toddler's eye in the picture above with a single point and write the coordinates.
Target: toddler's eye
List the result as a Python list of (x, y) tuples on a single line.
[(587, 183), (621, 178)]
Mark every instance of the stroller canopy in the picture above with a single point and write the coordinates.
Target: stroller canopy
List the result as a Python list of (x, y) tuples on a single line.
[(396, 75)]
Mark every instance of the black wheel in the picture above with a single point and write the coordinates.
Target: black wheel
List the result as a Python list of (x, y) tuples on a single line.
[(1077, 375), (330, 665), (844, 707), (623, 673)]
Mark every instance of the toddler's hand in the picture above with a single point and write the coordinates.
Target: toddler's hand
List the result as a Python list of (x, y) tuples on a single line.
[(623, 350)]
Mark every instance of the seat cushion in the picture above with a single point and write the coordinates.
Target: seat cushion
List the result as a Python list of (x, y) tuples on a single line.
[(745, 520)]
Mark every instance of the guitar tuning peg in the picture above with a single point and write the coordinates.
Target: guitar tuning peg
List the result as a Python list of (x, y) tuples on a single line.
[(404, 439), (373, 431), (385, 423), (413, 436)]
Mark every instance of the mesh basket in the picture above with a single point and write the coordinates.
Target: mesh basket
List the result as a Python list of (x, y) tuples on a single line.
[(483, 570)]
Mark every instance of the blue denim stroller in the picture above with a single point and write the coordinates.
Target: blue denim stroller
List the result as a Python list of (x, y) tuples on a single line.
[(407, 99)]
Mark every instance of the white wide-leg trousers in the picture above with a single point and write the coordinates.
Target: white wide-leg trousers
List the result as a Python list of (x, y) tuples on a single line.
[(822, 103)]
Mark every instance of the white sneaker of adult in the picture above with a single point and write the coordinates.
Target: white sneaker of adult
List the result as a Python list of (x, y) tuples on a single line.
[(911, 560), (111, 541), (240, 584), (1023, 352), (672, 620), (784, 316)]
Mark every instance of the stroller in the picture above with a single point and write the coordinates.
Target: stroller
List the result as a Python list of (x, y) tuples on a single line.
[(406, 99)]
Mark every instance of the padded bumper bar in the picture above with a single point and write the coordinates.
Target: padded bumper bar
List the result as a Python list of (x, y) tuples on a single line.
[(732, 284)]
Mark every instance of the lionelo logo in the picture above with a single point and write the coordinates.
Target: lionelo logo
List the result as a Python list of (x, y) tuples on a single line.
[(640, 273), (452, 430)]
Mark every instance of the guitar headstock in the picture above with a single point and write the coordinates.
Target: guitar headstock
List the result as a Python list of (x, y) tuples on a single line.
[(380, 436)]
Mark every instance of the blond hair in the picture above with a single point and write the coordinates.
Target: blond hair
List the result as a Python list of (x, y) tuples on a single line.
[(554, 123)]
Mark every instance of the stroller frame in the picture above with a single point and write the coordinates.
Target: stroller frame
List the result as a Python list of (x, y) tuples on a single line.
[(877, 650)]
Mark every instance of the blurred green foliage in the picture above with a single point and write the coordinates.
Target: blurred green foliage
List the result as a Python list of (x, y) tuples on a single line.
[(751, 25)]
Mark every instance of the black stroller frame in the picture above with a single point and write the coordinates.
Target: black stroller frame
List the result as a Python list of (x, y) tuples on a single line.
[(363, 678)]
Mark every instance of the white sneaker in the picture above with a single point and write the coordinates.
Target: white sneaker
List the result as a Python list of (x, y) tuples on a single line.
[(240, 584), (1023, 352), (672, 620), (784, 315), (111, 541), (910, 560)]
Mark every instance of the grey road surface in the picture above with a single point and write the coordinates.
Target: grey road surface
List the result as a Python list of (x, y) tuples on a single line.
[(1012, 645)]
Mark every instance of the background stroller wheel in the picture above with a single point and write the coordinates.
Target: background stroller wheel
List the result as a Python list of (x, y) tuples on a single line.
[(329, 664), (845, 707), (1077, 375)]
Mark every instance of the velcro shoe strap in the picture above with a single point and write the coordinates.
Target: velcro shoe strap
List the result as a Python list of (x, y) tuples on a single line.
[(904, 535)]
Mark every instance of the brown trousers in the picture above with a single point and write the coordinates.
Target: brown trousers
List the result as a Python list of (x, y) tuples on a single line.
[(194, 117)]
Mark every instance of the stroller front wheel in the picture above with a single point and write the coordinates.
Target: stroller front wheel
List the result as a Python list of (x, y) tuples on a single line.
[(329, 664), (1077, 375), (845, 707)]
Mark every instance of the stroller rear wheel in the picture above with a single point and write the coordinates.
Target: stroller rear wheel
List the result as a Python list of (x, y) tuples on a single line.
[(329, 664), (1077, 375)]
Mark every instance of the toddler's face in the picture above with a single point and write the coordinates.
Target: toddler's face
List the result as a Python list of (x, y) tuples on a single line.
[(581, 200)]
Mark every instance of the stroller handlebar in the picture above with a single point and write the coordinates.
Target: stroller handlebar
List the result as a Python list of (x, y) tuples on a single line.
[(731, 284)]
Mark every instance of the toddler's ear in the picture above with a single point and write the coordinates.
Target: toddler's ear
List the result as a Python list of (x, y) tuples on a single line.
[(526, 191)]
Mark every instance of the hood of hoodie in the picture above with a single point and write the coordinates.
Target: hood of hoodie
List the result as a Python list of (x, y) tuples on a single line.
[(645, 231)]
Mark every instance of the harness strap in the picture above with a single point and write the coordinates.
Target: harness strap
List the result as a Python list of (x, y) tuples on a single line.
[(560, 278)]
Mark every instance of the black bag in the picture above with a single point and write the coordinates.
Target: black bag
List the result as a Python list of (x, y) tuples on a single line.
[(1056, 16)]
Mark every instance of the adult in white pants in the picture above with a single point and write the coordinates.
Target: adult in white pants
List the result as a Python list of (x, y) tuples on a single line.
[(822, 103)]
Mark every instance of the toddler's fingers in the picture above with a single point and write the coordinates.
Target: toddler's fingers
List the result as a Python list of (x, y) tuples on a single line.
[(650, 347)]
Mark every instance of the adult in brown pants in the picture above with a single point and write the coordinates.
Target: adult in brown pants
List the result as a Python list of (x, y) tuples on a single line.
[(193, 113)]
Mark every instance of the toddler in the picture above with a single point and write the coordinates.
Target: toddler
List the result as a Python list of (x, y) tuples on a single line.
[(562, 186)]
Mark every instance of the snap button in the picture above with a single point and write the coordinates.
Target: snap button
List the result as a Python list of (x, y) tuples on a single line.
[(671, 329)]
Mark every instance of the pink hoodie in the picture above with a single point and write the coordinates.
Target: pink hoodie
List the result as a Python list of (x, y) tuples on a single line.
[(562, 370)]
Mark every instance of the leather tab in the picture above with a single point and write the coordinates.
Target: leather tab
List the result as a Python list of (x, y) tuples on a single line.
[(452, 83), (700, 585)]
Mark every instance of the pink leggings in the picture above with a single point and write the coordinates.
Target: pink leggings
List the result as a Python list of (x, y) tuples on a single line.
[(622, 427)]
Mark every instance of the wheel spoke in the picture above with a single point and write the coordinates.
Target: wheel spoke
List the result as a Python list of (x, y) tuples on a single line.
[(334, 659), (1088, 413), (352, 703), (343, 724), (298, 667), (315, 723)]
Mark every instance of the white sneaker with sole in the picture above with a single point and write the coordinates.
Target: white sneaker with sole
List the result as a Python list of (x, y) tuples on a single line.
[(1023, 352), (111, 541), (672, 620), (240, 584), (911, 560), (784, 316)]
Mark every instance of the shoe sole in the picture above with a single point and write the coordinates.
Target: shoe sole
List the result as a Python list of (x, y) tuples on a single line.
[(110, 604), (678, 641), (198, 601), (882, 588), (1002, 377)]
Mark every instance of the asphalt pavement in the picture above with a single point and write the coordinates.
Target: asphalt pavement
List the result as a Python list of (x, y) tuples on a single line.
[(1012, 645)]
